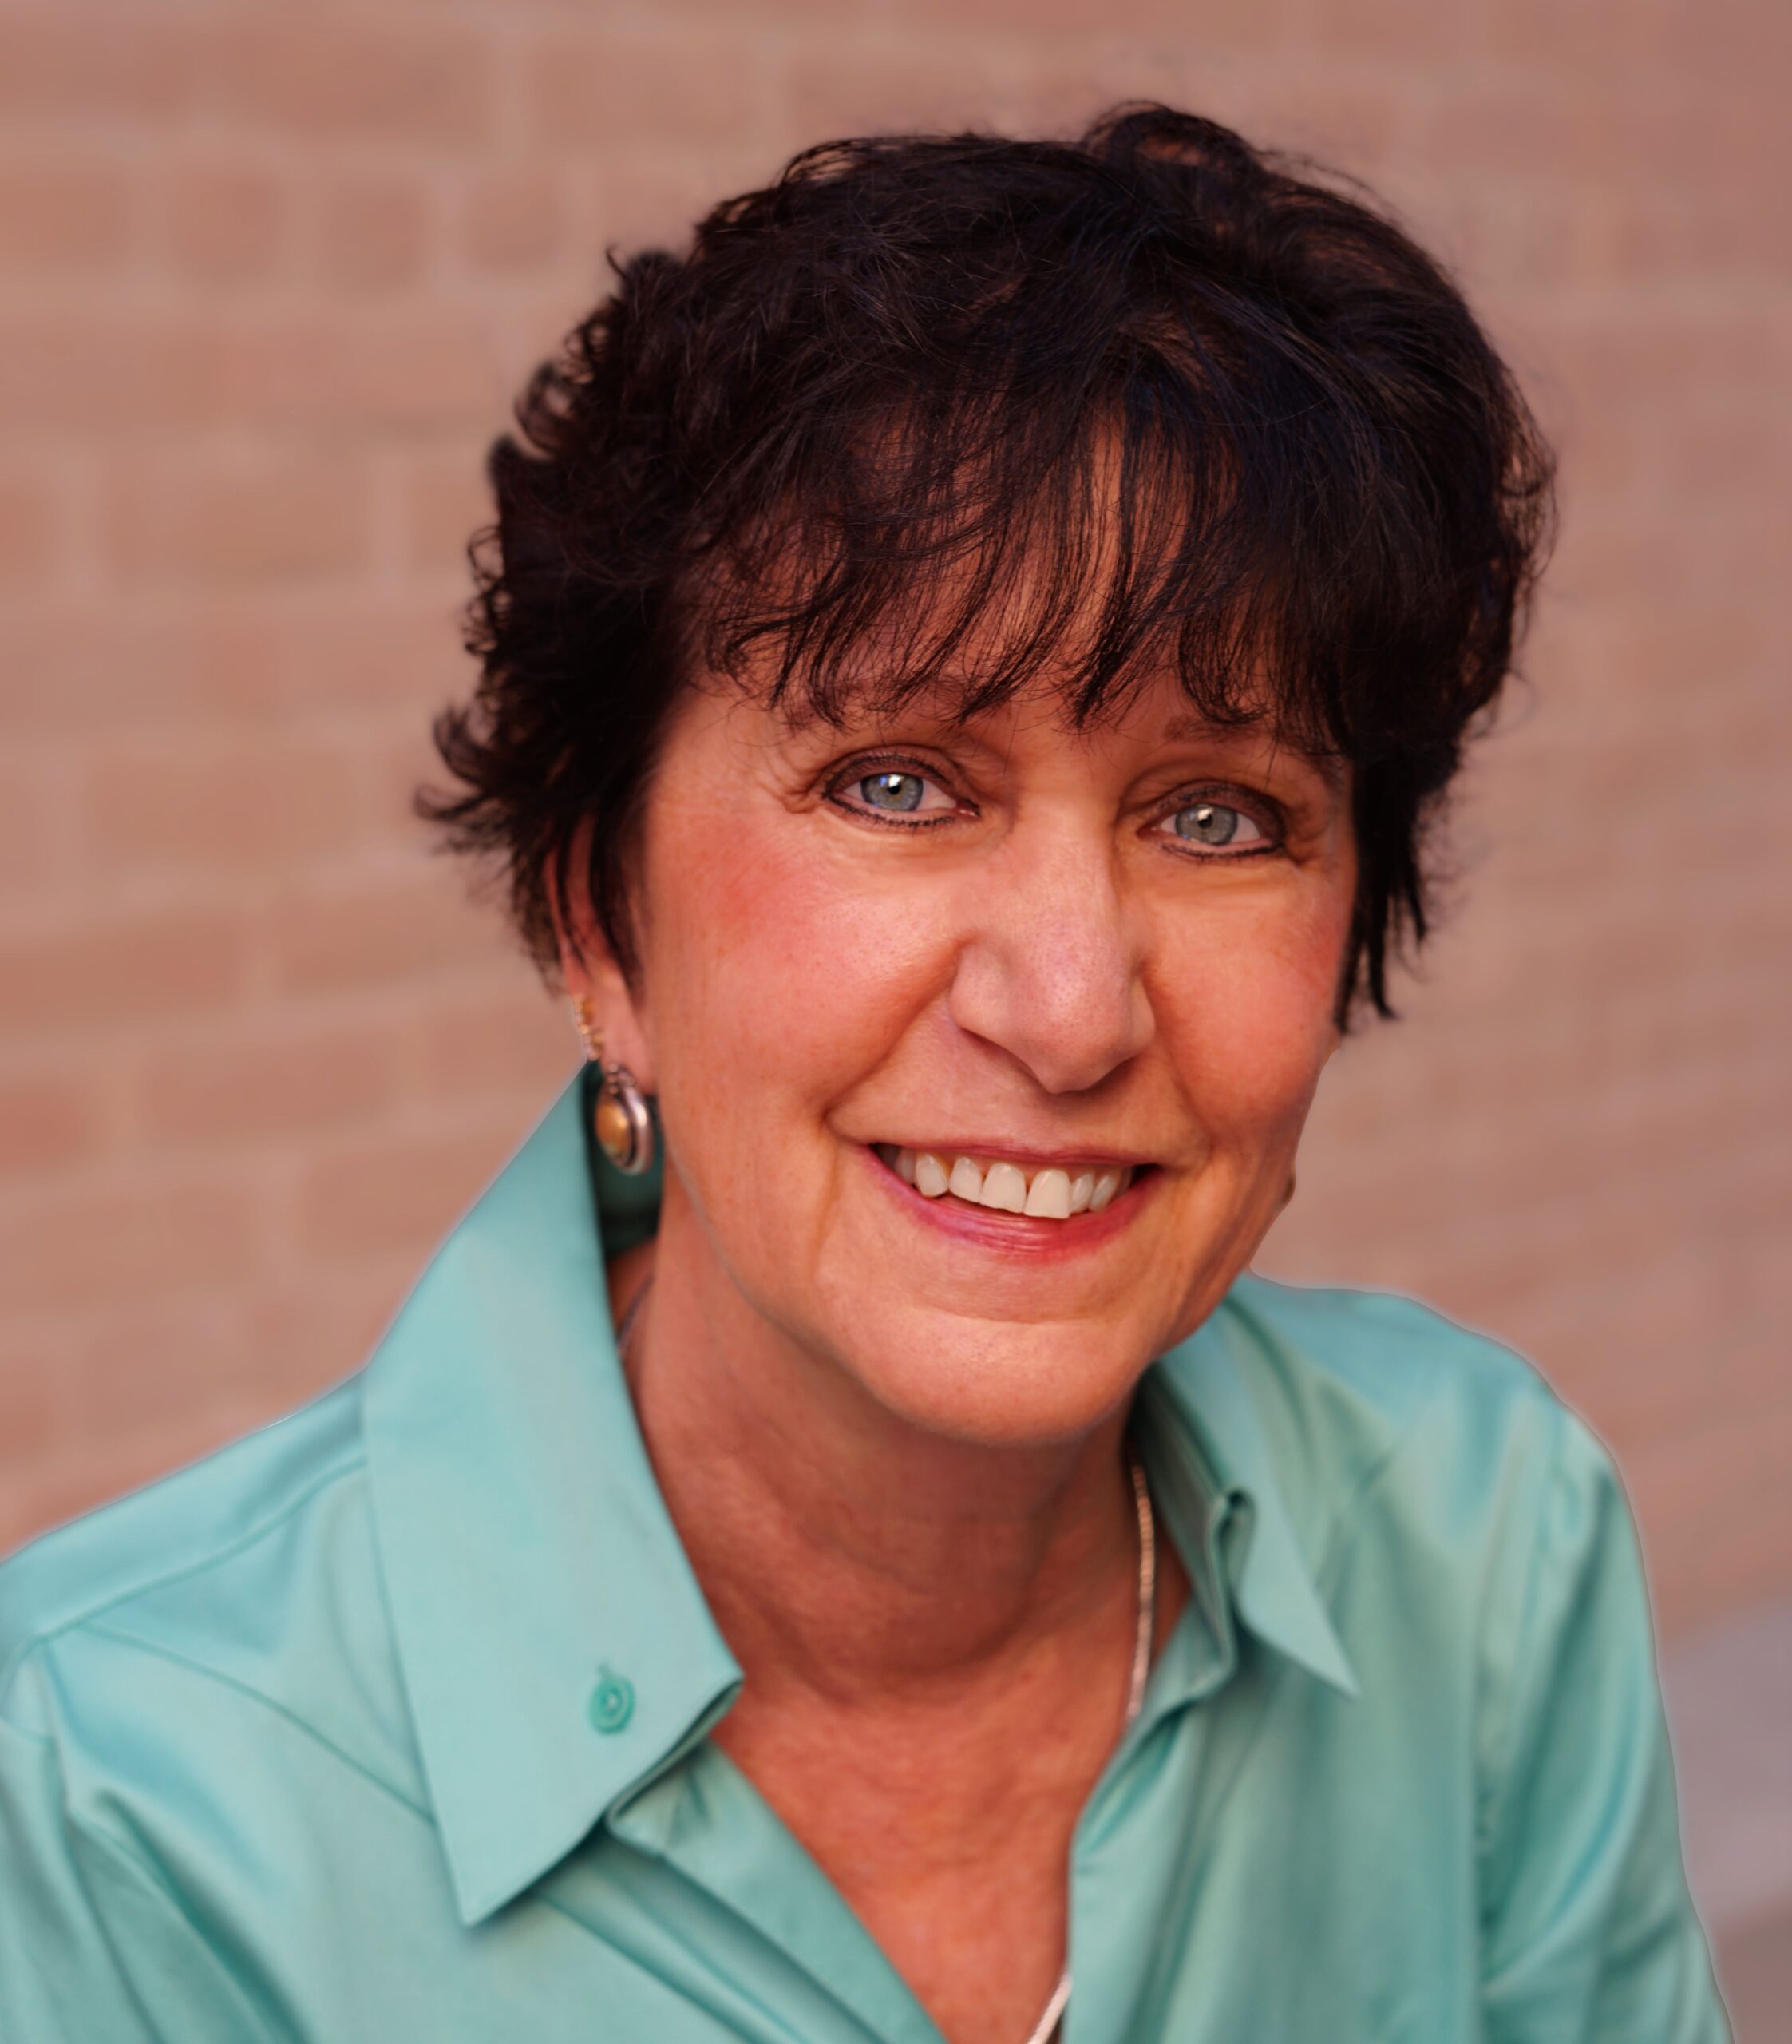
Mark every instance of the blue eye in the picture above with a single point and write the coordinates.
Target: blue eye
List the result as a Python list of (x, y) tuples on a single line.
[(1214, 824), (894, 792)]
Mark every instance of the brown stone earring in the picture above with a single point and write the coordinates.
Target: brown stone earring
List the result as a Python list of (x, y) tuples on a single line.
[(623, 1124)]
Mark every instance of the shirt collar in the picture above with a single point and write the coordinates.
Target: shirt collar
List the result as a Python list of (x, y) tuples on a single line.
[(558, 1653), (1204, 1443)]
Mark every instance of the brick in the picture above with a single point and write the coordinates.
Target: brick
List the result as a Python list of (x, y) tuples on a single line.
[(351, 656), (1747, 46), (73, 371), (395, 1193), (395, 761), (237, 521), (116, 971), (512, 220), (374, 933), (236, 804), (306, 369), (1512, 129), (827, 93), (373, 231), (221, 222), (1741, 1562), (62, 216), (521, 1045), (126, 1364), (73, 1250), (29, 528), (1360, 121), (35, 848), (310, 1331), (1031, 19), (644, 199), (1527, 33), (138, 664), (55, 64), (356, 371), (447, 499), (49, 1121), (33, 1423), (1400, 31), (1717, 1482), (334, 72), (596, 91), (248, 1086)]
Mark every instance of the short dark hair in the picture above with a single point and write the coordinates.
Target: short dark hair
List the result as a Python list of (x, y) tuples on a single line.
[(905, 370)]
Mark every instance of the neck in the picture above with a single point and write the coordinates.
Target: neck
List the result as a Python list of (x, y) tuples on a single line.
[(845, 1551)]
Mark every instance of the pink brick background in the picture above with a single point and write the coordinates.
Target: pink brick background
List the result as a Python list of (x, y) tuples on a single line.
[(268, 279)]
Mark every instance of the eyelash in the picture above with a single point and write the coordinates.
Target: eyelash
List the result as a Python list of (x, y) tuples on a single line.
[(1261, 812), (862, 770), (1265, 814)]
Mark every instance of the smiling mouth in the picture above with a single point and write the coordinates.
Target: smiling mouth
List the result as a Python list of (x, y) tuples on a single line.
[(1048, 1192)]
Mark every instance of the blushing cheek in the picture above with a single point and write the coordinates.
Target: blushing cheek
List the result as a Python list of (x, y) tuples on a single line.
[(790, 983), (1300, 997), (1250, 1012)]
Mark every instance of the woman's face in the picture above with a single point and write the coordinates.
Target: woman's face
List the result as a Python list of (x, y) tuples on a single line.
[(1092, 970)]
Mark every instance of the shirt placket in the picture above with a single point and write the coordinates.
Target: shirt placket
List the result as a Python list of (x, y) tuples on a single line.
[(707, 1820)]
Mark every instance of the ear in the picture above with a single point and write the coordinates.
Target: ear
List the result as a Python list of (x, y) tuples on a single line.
[(589, 970)]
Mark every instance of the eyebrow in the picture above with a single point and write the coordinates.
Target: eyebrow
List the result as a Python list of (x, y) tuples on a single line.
[(1330, 767), (938, 703)]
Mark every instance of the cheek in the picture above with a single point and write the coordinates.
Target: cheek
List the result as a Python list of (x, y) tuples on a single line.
[(1246, 1009), (789, 978)]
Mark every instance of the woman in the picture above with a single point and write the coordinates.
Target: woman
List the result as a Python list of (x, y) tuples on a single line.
[(970, 655)]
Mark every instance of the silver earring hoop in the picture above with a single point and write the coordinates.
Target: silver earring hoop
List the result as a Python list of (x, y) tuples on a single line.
[(621, 1119)]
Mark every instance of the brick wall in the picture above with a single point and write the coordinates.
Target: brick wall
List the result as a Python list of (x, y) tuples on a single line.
[(268, 279)]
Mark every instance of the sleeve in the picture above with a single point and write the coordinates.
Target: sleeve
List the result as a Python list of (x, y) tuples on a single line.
[(93, 1949), (1588, 1935)]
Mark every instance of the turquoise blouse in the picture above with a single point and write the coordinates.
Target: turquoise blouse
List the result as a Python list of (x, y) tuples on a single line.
[(389, 1722)]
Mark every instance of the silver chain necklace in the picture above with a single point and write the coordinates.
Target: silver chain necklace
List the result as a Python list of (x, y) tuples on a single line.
[(1046, 2027)]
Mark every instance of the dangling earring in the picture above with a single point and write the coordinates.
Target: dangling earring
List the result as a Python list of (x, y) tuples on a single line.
[(624, 1125)]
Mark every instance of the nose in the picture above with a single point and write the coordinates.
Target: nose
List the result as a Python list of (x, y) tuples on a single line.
[(1050, 972)]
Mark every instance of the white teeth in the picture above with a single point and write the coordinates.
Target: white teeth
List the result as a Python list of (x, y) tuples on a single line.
[(931, 1175), (1052, 1194)]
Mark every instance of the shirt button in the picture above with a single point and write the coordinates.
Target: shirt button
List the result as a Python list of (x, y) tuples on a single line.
[(612, 1701)]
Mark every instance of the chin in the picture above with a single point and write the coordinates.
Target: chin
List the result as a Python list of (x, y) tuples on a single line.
[(994, 1385)]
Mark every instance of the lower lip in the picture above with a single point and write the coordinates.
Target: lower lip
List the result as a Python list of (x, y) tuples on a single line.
[(1017, 1234)]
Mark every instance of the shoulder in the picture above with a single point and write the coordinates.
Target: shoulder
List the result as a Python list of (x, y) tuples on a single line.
[(245, 1583), (1382, 1356), (1475, 1551), (1379, 1409), (193, 1520)]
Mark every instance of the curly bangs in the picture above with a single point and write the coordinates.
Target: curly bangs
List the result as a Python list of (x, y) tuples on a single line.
[(957, 414)]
